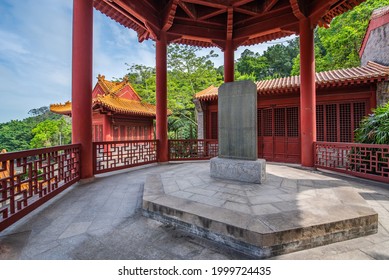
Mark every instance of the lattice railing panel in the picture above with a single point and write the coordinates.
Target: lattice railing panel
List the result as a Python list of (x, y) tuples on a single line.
[(115, 155), (363, 160), (196, 149), (30, 178)]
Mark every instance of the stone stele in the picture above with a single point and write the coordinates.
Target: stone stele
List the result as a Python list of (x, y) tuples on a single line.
[(237, 131)]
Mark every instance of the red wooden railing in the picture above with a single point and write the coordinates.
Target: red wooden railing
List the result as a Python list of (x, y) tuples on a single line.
[(30, 178), (195, 149), (115, 155), (361, 160)]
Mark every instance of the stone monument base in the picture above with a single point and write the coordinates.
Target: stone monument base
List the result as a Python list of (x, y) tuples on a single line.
[(250, 171)]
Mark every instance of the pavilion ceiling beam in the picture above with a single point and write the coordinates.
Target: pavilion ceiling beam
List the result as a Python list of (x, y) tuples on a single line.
[(169, 14), (189, 9), (141, 11), (205, 23), (268, 5), (212, 14), (125, 14), (237, 3), (251, 8), (197, 32), (263, 26), (219, 4)]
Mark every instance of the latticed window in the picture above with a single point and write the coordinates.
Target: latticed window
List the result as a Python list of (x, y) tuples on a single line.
[(292, 118), (279, 122), (337, 122), (268, 122)]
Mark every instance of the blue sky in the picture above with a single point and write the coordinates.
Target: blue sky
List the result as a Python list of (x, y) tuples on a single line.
[(35, 53)]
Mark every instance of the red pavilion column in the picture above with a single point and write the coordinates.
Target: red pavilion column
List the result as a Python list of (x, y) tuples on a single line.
[(82, 82), (161, 102), (229, 62), (307, 93)]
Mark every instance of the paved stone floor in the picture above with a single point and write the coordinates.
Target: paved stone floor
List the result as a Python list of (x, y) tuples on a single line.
[(102, 220)]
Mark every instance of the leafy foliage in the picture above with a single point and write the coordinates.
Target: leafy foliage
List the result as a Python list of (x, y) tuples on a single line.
[(17, 135), (276, 62), (374, 129), (188, 73), (338, 46)]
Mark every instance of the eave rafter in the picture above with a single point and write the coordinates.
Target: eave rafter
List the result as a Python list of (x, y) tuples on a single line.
[(208, 23), (142, 12), (169, 13)]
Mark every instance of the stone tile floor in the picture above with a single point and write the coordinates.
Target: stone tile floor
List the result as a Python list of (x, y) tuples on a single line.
[(102, 220)]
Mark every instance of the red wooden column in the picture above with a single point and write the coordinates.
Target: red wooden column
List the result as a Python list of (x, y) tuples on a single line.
[(82, 82), (307, 93), (161, 102), (229, 62)]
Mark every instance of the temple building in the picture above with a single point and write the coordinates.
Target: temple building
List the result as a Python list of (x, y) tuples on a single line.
[(343, 98), (118, 112)]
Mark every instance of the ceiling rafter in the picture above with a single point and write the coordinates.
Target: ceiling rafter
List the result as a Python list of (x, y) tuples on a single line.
[(251, 8), (205, 23), (126, 14), (219, 4), (197, 31), (141, 11), (268, 5), (212, 14), (237, 3), (189, 9), (169, 14), (260, 27)]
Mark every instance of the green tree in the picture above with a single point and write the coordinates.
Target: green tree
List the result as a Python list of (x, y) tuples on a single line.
[(338, 46), (51, 133), (16, 135), (188, 74), (142, 78), (275, 62)]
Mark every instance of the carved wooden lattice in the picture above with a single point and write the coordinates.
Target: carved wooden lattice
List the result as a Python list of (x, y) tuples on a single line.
[(362, 160), (195, 149), (115, 155), (30, 178)]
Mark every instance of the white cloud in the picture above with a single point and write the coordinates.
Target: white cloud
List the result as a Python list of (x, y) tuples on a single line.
[(35, 53)]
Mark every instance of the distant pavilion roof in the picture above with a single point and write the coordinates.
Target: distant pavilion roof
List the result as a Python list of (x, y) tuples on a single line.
[(110, 99), (372, 72), (210, 23)]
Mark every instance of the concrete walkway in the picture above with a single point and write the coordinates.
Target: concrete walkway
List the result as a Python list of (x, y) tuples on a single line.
[(102, 220)]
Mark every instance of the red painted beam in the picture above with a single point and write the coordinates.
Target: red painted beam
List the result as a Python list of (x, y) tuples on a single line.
[(307, 93), (141, 11), (161, 92), (278, 21), (189, 9), (82, 82)]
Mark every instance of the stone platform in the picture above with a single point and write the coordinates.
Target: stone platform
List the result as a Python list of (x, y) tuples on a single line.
[(293, 210), (249, 171)]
